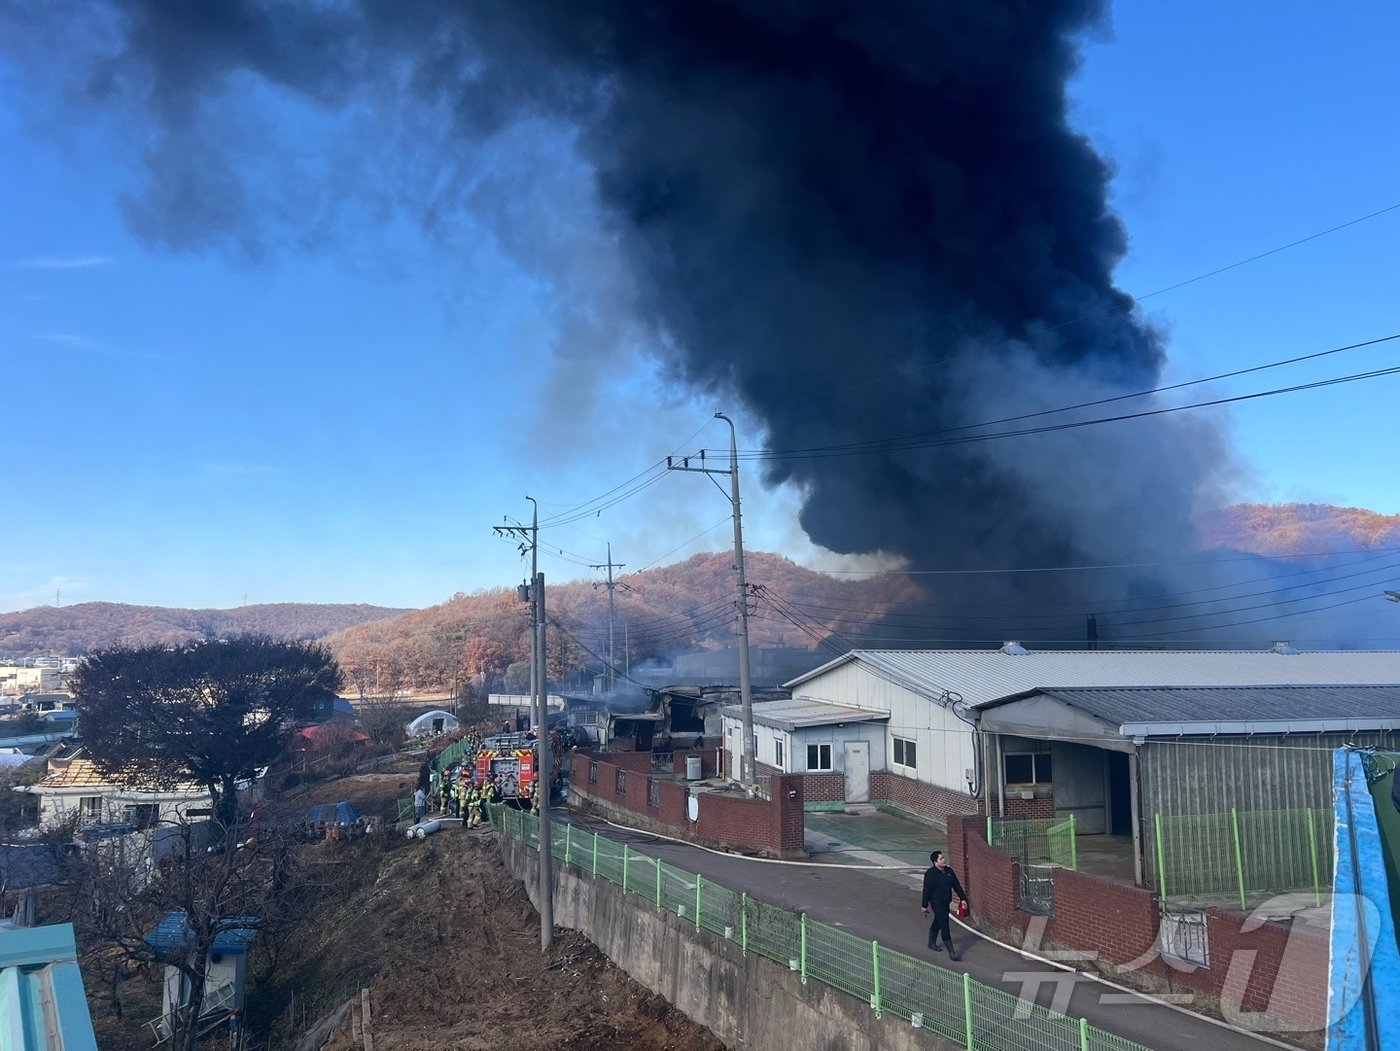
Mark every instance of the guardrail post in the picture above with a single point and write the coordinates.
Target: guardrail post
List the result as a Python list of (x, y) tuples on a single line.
[(1073, 845), (802, 954), (744, 922), (967, 1009), (698, 881), (569, 844), (1239, 857), (595, 854), (626, 858), (1312, 849), (875, 972), (1161, 858), (658, 882), (1084, 1034)]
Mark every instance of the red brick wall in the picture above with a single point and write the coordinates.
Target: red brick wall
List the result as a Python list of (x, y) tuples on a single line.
[(1269, 967), (919, 797), (773, 826), (1039, 807), (1113, 920), (638, 761), (824, 788)]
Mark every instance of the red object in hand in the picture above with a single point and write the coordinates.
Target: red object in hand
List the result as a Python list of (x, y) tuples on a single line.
[(963, 909)]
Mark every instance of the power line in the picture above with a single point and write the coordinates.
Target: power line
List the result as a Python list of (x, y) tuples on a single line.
[(947, 438)]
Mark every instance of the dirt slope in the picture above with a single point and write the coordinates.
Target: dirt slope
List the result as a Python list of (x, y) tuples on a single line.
[(448, 946)]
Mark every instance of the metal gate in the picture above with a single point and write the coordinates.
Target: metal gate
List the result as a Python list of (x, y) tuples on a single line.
[(1025, 841)]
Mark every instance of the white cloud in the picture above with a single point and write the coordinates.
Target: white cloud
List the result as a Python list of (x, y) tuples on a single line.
[(70, 339), (61, 262)]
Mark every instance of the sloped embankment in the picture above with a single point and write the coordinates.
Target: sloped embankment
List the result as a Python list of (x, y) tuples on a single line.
[(448, 945)]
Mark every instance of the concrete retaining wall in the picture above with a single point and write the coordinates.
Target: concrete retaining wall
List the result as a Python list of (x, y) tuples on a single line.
[(746, 1001)]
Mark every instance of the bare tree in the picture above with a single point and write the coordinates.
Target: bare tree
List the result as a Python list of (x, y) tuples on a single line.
[(117, 889)]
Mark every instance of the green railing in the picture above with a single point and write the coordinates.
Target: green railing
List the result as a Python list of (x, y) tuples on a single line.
[(976, 1016), (1063, 844), (449, 755), (1029, 839), (1246, 854)]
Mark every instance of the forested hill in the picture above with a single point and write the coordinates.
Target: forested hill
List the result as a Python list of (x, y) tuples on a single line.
[(71, 631), (1297, 529), (657, 613)]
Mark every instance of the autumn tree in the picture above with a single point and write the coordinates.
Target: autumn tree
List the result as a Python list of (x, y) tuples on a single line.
[(211, 712)]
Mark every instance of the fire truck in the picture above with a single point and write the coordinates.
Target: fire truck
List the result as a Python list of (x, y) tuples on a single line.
[(513, 758)]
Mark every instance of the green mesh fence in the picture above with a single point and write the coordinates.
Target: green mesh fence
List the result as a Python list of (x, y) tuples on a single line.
[(1024, 838), (1243, 855), (1062, 844), (912, 989), (775, 933), (405, 808), (1009, 1023), (952, 1005), (841, 960)]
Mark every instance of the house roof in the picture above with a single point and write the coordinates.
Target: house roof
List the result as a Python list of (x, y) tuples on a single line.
[(800, 713), (83, 773), (42, 1003), (1154, 711), (980, 677), (173, 932)]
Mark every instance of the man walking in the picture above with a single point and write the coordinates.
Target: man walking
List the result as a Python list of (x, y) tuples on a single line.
[(940, 884), (420, 805)]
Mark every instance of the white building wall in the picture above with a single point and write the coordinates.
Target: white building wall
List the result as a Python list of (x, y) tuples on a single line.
[(943, 742), (58, 805), (795, 744)]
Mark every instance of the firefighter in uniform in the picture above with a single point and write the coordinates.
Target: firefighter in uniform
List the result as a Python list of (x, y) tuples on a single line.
[(473, 807)]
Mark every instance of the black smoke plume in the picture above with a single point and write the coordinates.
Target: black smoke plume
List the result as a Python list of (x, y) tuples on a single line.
[(866, 221)]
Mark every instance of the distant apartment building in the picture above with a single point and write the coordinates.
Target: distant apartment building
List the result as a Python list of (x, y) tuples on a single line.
[(17, 679)]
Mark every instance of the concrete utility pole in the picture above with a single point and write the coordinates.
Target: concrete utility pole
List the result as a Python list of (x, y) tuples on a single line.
[(545, 774), (529, 537), (610, 565), (746, 767)]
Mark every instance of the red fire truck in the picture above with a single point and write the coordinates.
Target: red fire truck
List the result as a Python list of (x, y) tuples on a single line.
[(514, 760)]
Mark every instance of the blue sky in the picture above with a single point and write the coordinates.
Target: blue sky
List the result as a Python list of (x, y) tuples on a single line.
[(346, 421)]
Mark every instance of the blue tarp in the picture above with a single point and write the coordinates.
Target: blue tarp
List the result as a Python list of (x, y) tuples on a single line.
[(1362, 1009)]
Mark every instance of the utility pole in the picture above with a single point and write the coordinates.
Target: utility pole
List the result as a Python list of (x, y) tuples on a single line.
[(746, 767), (529, 537), (546, 775), (610, 565), (533, 593)]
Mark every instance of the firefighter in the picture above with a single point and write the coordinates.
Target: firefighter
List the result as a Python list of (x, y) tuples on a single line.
[(468, 806), (473, 806), (535, 796)]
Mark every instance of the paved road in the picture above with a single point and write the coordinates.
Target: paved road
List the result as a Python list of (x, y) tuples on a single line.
[(885, 906)]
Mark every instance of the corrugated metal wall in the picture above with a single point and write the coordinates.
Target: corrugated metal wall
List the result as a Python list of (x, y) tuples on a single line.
[(1210, 776)]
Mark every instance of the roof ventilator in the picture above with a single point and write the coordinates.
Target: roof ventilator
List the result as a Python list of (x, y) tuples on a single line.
[(1283, 647), (1013, 648)]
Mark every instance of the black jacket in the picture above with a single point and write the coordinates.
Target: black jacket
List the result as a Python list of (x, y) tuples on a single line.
[(939, 885)]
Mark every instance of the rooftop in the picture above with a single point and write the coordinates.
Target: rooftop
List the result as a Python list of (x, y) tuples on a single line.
[(801, 712), (982, 676)]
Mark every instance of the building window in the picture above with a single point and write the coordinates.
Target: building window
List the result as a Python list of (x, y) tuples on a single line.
[(905, 753), (819, 757), (1027, 768), (90, 806), (621, 782), (778, 754), (592, 771), (653, 792), (142, 816)]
